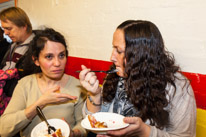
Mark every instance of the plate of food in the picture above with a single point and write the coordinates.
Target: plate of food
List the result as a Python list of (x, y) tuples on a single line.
[(41, 130), (101, 122)]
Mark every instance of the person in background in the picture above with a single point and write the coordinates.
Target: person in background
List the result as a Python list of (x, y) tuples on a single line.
[(58, 94), (148, 89), (17, 26), (4, 44)]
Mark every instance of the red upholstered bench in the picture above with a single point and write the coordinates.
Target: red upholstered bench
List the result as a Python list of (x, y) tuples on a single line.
[(74, 64), (198, 83)]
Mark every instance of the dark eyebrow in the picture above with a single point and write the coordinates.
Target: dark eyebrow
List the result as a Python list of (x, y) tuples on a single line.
[(6, 27), (114, 46)]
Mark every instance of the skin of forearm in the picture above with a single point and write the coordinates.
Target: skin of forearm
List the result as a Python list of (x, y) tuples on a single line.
[(145, 130), (96, 98), (92, 108)]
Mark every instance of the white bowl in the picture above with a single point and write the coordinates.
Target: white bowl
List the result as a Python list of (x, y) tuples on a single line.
[(41, 129), (114, 121)]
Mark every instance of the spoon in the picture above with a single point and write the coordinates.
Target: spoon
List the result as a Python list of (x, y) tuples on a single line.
[(51, 129), (108, 71)]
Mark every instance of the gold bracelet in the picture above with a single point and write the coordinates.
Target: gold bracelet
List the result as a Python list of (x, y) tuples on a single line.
[(91, 101)]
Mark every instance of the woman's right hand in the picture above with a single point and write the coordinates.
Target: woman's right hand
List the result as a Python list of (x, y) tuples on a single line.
[(89, 81), (52, 96)]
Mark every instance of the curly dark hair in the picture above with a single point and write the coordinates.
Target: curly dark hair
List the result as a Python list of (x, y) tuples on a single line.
[(149, 68), (36, 45)]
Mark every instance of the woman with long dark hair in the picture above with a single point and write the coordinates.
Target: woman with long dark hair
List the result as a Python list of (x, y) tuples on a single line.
[(148, 88)]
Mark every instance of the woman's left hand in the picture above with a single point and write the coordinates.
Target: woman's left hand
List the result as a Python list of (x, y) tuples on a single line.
[(136, 128)]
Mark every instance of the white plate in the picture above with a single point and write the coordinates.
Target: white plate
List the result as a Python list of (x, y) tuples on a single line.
[(114, 121), (41, 129)]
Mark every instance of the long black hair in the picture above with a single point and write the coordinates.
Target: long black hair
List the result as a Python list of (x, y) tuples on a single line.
[(149, 68)]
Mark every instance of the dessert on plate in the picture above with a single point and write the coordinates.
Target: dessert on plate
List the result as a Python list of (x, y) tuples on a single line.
[(96, 124), (57, 133)]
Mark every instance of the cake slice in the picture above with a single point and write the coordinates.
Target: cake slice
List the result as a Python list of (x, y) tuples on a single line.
[(57, 133), (96, 124)]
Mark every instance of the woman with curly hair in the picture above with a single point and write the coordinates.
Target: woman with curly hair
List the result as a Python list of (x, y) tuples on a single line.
[(148, 89)]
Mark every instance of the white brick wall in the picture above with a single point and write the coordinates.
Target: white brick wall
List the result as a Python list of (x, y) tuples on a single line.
[(88, 25)]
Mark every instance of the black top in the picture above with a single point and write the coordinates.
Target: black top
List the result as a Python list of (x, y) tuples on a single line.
[(4, 46)]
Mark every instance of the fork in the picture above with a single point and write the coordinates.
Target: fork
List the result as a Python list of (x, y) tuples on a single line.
[(51, 129), (108, 71)]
